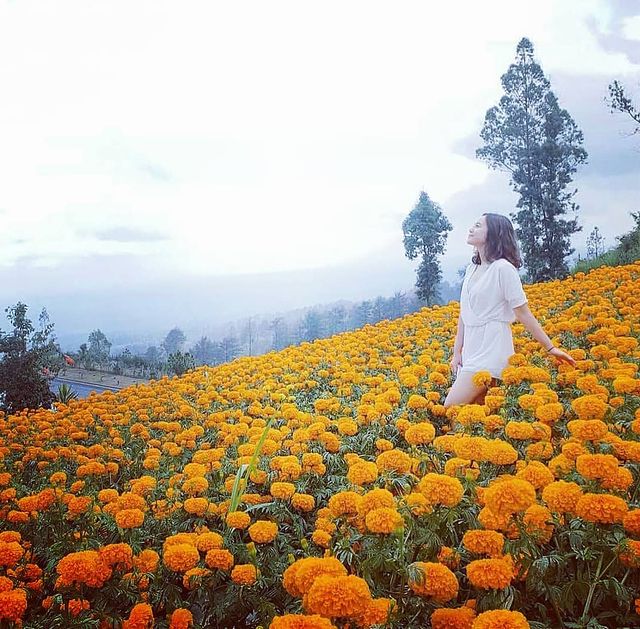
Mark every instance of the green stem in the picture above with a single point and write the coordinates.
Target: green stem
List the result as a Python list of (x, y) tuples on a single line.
[(592, 589)]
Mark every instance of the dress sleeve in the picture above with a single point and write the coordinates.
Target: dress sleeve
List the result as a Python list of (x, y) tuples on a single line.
[(511, 285)]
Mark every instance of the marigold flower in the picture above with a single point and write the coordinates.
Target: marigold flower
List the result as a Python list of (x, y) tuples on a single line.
[(181, 618), (589, 407), (375, 499), (129, 518), (118, 556), (282, 491), (453, 618), (449, 557), (631, 522), (180, 557), (510, 496), (196, 506), (601, 508), (440, 489), (263, 531), (244, 574), (420, 434), (491, 574), (303, 502), (147, 560), (219, 558), (435, 581), (238, 520), (344, 503), (376, 612), (13, 604), (500, 619), (10, 553), (483, 542), (384, 520), (362, 473), (300, 575), (338, 597), (301, 621), (141, 617), (538, 522), (84, 567)]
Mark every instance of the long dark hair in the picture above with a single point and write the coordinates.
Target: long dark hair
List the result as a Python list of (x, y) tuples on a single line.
[(501, 241)]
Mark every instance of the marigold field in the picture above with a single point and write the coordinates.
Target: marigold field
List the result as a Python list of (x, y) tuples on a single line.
[(325, 485)]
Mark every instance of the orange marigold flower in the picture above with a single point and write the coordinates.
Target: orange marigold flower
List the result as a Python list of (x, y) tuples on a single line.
[(301, 621), (362, 473), (375, 499), (196, 506), (282, 491), (491, 574), (536, 473), (118, 556), (597, 466), (181, 618), (510, 496), (384, 520), (219, 558), (420, 434), (263, 531), (601, 508), (629, 553), (501, 619), (344, 503), (394, 460), (631, 522), (10, 553), (147, 560), (238, 520), (453, 618), (244, 574), (440, 489), (129, 518), (434, 580), (303, 502), (180, 557), (13, 604), (483, 542), (376, 612), (338, 597), (449, 557), (300, 575), (84, 567), (538, 522), (141, 617), (209, 541)]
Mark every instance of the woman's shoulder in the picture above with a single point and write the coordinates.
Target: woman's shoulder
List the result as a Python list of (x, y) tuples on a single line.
[(503, 262)]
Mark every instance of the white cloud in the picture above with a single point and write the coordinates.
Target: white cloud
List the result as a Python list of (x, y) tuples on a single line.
[(258, 136)]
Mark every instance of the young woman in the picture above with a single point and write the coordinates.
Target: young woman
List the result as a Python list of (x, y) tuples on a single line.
[(492, 299)]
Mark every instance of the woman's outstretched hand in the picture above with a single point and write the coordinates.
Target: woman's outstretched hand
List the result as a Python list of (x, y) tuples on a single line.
[(456, 361), (562, 356)]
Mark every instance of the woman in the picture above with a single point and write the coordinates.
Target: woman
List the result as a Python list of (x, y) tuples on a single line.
[(492, 299)]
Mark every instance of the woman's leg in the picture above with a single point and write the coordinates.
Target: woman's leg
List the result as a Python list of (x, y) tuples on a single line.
[(463, 391)]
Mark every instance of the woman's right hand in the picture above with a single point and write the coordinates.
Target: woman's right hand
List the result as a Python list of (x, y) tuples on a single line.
[(456, 361)]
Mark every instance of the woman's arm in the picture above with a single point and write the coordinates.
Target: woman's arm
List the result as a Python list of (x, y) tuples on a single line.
[(525, 316), (457, 345)]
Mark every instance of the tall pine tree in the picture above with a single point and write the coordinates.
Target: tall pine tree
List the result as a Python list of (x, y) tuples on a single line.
[(425, 233), (539, 144)]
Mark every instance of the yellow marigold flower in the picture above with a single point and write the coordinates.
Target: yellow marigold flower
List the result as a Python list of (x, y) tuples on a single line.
[(453, 618), (482, 378), (181, 557), (263, 531), (303, 502), (549, 413), (219, 558), (588, 429), (383, 445), (282, 491), (621, 480), (129, 518), (482, 542), (384, 520), (491, 574), (394, 460), (300, 575), (347, 427), (501, 453), (435, 581), (562, 496), (362, 473), (181, 618), (601, 508), (420, 434), (461, 468), (196, 485), (338, 597), (13, 605), (510, 496), (244, 574), (471, 448), (344, 503), (625, 384), (238, 520), (501, 619), (416, 402), (301, 621), (440, 489)]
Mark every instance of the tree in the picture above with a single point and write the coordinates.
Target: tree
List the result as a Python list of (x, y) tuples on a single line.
[(179, 363), (247, 336), (425, 232), (204, 351), (622, 103), (99, 348), (229, 348), (278, 327), (311, 326), (174, 341), (595, 244), (538, 143), (28, 355)]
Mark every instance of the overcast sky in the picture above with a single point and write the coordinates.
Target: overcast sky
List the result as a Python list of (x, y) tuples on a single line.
[(143, 142)]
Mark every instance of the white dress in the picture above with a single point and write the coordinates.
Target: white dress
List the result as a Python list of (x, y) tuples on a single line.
[(486, 308)]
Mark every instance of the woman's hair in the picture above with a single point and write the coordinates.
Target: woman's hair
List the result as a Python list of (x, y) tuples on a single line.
[(501, 241)]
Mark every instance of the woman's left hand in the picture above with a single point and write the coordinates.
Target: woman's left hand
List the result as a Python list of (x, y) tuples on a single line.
[(562, 356)]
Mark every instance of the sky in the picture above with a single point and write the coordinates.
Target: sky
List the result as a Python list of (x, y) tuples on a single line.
[(170, 152)]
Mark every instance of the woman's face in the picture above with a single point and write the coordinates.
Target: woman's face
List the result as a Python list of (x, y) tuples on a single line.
[(478, 232)]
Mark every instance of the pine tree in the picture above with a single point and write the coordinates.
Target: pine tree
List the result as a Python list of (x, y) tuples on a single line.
[(538, 143), (425, 233)]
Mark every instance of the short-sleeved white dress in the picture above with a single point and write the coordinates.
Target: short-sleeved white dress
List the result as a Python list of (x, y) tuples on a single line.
[(486, 308)]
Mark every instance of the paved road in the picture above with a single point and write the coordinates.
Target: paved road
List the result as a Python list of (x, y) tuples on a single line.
[(81, 388)]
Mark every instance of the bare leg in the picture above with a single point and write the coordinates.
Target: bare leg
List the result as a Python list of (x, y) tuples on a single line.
[(463, 391)]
